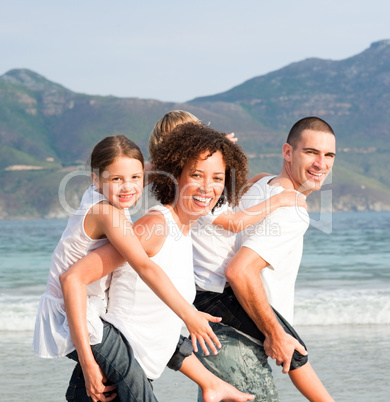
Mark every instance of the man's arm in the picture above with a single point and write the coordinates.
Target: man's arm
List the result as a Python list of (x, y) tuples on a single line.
[(243, 275)]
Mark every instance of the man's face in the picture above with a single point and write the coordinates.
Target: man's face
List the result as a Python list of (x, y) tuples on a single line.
[(311, 161)]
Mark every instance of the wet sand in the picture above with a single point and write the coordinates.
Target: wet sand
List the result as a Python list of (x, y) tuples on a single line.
[(352, 362)]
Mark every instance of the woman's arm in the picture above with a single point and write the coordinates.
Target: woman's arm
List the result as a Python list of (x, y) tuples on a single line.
[(74, 288), (111, 222), (237, 221), (103, 261)]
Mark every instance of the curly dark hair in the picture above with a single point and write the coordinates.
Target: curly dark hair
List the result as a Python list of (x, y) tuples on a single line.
[(186, 142)]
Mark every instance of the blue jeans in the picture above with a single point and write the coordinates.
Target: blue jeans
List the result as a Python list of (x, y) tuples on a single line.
[(227, 306), (242, 363), (183, 349), (115, 357)]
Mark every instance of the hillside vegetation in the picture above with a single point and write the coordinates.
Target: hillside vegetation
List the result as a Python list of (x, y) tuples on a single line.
[(48, 131)]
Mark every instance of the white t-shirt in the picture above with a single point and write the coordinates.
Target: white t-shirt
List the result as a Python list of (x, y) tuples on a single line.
[(278, 239), (52, 335), (213, 248), (149, 325)]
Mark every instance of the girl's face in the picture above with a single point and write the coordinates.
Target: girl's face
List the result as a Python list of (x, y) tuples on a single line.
[(201, 185), (121, 182)]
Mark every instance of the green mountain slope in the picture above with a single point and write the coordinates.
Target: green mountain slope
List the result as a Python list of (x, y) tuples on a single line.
[(352, 94), (47, 131)]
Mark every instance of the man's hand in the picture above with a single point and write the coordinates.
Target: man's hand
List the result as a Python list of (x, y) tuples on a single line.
[(94, 384), (231, 138), (281, 348)]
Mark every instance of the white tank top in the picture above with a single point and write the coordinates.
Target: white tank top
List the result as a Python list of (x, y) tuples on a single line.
[(152, 328), (52, 335), (213, 249)]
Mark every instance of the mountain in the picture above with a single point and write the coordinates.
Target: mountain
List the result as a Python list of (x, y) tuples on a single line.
[(48, 131), (352, 94)]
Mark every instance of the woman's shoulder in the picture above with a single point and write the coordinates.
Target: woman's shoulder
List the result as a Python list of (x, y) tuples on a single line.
[(150, 218)]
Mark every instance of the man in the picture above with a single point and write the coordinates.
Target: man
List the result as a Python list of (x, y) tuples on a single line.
[(263, 271)]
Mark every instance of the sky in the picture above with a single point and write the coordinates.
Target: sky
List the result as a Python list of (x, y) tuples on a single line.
[(177, 50)]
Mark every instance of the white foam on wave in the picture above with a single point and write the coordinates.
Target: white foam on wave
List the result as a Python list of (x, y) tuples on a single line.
[(312, 307), (17, 313), (342, 307)]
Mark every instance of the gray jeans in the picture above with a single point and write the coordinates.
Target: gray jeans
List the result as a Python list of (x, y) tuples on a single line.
[(227, 306), (242, 363), (116, 359)]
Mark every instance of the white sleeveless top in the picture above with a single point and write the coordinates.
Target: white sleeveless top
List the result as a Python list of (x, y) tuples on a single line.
[(52, 336), (213, 248), (151, 327)]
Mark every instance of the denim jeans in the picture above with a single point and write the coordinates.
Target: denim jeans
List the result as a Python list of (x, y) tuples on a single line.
[(183, 349), (227, 306), (242, 363), (115, 357)]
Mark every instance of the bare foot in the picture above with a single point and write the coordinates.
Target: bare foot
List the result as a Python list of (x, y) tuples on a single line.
[(222, 391)]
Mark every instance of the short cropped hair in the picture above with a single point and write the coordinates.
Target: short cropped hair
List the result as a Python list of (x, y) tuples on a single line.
[(187, 142), (307, 123), (167, 124)]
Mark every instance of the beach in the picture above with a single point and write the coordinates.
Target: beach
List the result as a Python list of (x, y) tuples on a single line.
[(350, 360), (342, 311)]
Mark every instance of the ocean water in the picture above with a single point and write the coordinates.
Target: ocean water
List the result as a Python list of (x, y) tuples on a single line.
[(342, 311)]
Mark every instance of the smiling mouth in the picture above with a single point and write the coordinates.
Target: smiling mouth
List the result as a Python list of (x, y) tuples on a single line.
[(125, 197), (203, 200), (316, 175)]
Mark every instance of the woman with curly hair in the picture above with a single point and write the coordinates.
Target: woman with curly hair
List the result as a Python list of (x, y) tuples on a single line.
[(188, 142), (213, 237), (195, 169)]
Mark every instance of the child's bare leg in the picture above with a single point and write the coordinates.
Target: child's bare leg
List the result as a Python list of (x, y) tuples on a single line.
[(308, 384), (213, 388)]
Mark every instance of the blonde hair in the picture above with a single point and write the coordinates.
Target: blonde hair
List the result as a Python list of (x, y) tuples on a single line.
[(165, 126)]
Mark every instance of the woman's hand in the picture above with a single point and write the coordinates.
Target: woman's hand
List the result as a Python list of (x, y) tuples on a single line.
[(199, 328), (94, 384)]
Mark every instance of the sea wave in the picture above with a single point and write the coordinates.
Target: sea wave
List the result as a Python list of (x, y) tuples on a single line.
[(312, 307), (342, 307), (17, 313)]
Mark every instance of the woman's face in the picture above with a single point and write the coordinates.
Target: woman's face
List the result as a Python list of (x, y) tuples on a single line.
[(201, 185)]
